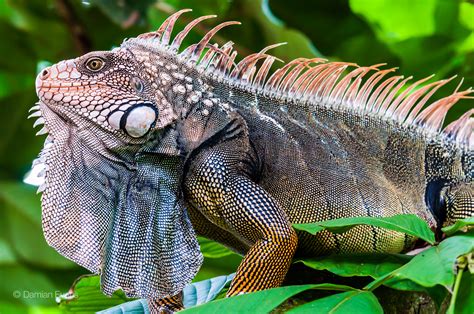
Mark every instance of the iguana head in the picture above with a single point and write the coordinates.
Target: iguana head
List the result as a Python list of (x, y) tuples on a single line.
[(106, 90)]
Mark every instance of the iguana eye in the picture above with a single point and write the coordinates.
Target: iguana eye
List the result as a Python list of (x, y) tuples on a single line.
[(95, 64), (137, 84)]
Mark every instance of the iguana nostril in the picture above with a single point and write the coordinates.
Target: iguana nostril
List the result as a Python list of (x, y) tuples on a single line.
[(45, 74)]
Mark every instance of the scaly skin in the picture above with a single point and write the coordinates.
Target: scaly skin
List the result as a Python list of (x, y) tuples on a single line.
[(139, 132)]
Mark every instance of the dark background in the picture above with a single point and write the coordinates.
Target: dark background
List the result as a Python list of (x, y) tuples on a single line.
[(420, 37)]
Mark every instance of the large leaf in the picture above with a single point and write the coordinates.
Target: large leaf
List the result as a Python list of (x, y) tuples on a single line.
[(435, 266), (204, 291), (212, 249), (375, 266), (409, 224), (260, 301), (460, 225), (355, 302)]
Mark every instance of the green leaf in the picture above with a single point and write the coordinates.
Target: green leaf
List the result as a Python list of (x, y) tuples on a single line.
[(204, 291), (260, 301), (212, 249), (399, 24), (465, 300), (466, 14), (459, 225), (136, 306), (353, 302), (87, 296), (434, 266), (409, 224), (375, 266)]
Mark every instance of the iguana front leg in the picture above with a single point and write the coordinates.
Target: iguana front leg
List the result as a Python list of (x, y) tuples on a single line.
[(219, 188), (167, 305)]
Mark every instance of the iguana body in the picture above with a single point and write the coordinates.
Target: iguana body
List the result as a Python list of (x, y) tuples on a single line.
[(139, 132)]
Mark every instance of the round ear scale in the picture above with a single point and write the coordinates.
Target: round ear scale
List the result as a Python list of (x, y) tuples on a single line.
[(136, 121)]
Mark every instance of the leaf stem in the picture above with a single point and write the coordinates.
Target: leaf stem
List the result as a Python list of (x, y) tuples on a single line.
[(461, 265), (379, 281)]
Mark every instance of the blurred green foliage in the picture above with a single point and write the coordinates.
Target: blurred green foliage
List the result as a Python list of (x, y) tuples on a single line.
[(420, 37)]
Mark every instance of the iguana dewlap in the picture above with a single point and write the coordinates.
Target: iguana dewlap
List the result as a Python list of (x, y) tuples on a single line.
[(151, 143)]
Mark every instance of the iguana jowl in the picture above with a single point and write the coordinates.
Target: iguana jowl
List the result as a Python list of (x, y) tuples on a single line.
[(145, 140)]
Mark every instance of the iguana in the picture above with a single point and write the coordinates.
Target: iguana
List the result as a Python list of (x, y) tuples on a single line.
[(150, 144)]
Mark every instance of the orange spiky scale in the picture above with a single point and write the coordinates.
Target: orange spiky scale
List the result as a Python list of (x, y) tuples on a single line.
[(374, 94), (402, 111), (394, 104), (351, 91), (221, 61), (214, 60), (181, 35), (453, 129), (305, 79), (200, 46), (330, 81), (165, 38), (230, 62), (209, 55), (246, 63), (159, 32), (384, 89), (274, 80), (321, 77), (433, 116), (248, 75), (392, 93), (419, 106), (290, 78), (343, 84), (263, 71), (368, 85)]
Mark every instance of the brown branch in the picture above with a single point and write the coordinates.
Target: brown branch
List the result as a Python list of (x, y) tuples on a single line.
[(81, 41)]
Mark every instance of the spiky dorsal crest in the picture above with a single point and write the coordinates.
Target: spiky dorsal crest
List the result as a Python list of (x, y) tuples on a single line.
[(317, 82)]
